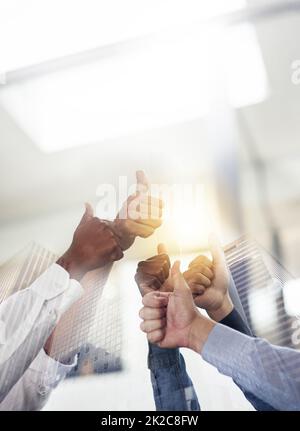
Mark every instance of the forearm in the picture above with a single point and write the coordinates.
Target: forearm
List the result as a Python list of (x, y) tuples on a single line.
[(172, 387)]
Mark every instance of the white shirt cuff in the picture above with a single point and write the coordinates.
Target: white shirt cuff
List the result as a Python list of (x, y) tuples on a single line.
[(53, 282), (52, 372), (70, 296)]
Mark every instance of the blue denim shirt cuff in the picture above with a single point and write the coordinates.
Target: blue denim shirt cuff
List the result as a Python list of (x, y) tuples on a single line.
[(162, 358)]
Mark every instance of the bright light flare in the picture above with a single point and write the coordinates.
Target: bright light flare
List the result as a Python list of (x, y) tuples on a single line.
[(190, 219)]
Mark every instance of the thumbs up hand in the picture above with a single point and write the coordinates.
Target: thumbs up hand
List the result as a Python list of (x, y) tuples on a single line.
[(153, 274), (94, 245), (207, 279), (172, 319), (209, 282), (140, 215)]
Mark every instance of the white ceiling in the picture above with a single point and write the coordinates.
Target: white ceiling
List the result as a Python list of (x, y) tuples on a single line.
[(35, 183)]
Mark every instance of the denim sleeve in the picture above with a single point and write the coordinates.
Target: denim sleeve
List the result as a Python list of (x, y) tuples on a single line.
[(173, 389)]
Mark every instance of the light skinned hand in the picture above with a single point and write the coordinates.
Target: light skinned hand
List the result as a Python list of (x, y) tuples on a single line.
[(140, 215), (172, 319), (210, 280), (207, 279)]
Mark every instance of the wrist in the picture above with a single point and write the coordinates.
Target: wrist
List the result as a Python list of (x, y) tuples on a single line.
[(199, 332), (68, 262), (126, 239), (223, 311)]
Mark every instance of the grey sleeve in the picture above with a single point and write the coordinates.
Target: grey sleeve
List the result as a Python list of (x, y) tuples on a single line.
[(269, 372)]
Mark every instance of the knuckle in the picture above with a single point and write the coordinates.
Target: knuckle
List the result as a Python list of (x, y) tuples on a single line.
[(187, 274), (207, 261), (156, 258), (97, 222), (109, 232), (151, 337), (127, 223), (200, 267), (147, 233), (199, 276), (193, 281), (156, 271), (202, 281), (120, 254), (113, 243), (139, 278), (157, 222), (162, 256), (117, 248), (146, 298), (160, 313)]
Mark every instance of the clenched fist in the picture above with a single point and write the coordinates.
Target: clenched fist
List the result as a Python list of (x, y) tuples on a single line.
[(153, 274)]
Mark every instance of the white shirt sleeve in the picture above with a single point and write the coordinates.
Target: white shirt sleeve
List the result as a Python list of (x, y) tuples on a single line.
[(33, 389), (27, 318)]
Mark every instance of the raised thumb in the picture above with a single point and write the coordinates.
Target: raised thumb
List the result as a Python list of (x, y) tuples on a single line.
[(142, 183), (88, 213), (216, 250), (162, 249), (179, 284)]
